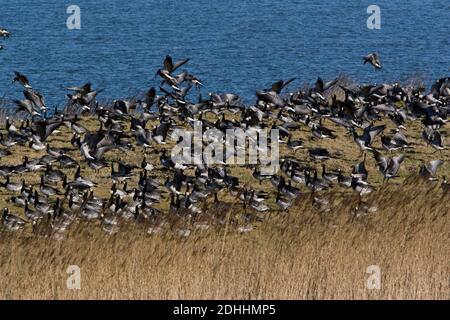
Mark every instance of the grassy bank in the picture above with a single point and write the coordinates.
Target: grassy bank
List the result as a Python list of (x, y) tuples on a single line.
[(310, 252), (301, 255)]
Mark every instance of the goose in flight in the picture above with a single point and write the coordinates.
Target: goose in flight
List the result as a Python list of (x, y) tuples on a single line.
[(359, 170), (429, 170), (279, 85), (374, 60), (36, 98), (365, 141), (433, 138), (83, 90), (170, 67), (22, 79), (388, 166), (26, 105), (396, 142), (322, 86)]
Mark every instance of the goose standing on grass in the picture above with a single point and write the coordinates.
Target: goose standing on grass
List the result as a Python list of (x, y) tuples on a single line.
[(36, 144), (33, 165), (5, 153), (66, 161), (84, 181), (362, 187), (32, 215), (123, 173), (54, 152), (319, 154), (318, 130), (282, 203), (43, 206), (294, 144), (48, 190), (344, 180), (259, 176), (11, 186), (53, 175), (18, 201), (146, 165), (12, 222), (329, 176)]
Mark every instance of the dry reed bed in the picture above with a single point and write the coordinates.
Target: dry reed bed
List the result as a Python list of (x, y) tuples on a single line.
[(305, 254)]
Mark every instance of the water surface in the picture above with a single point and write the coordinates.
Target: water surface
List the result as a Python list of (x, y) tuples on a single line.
[(235, 46)]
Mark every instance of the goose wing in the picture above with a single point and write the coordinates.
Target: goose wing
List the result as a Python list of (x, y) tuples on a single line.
[(371, 132), (434, 166), (381, 161)]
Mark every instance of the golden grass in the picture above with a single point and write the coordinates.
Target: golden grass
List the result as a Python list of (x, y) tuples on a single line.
[(302, 255), (306, 253)]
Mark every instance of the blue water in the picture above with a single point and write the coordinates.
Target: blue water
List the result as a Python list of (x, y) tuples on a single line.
[(235, 45)]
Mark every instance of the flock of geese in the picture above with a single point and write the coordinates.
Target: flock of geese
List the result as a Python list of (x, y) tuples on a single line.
[(193, 192)]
